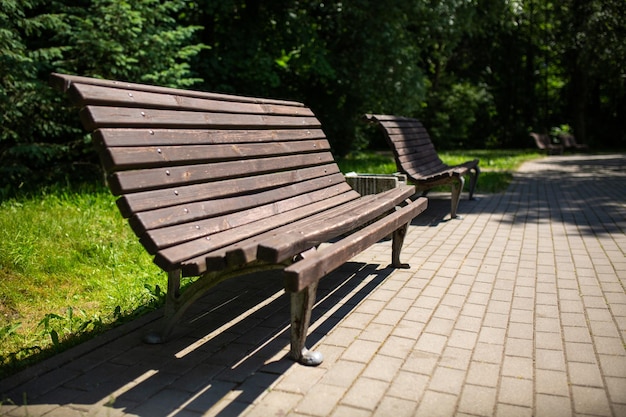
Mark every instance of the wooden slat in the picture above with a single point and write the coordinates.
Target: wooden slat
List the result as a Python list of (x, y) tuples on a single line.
[(95, 117), (86, 94), (173, 257), (317, 265), (283, 246), (150, 179), (157, 199), (161, 238), (212, 207), (125, 158), (119, 137), (245, 251), (65, 81)]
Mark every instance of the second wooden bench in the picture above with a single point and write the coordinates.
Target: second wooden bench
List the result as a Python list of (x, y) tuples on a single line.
[(416, 157)]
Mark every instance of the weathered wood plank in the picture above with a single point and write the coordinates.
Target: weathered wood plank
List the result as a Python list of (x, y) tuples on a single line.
[(126, 158), (317, 265), (86, 94), (120, 137), (156, 199), (281, 247), (212, 207), (64, 82), (173, 257), (151, 179), (157, 239), (245, 251), (95, 117)]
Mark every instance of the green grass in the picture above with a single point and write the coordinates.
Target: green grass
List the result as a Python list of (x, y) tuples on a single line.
[(497, 166), (70, 267)]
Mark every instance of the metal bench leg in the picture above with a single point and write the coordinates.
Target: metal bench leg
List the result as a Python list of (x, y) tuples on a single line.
[(457, 187), (473, 180), (172, 310), (301, 306), (177, 302), (396, 246)]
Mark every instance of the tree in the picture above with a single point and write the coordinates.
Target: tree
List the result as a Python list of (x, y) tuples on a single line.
[(25, 103), (594, 61), (138, 41)]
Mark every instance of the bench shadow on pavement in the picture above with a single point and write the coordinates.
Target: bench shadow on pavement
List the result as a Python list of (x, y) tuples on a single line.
[(233, 342), (438, 210)]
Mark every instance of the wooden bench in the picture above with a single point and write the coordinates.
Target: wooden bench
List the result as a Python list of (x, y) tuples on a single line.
[(568, 141), (416, 157), (219, 186), (543, 142)]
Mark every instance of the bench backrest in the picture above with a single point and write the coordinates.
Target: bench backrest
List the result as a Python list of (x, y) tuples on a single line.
[(197, 171), (542, 140), (413, 150)]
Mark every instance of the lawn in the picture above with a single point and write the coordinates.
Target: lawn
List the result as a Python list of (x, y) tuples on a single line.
[(70, 267), (496, 166)]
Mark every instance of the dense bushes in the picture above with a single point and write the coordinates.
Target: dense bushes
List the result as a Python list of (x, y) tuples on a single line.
[(41, 141), (479, 73)]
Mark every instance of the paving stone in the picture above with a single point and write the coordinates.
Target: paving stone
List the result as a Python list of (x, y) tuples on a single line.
[(483, 374), (478, 400), (375, 390), (508, 410), (487, 352), (408, 385), (551, 382), (435, 404), (553, 406), (397, 407), (585, 374), (321, 400), (613, 365), (456, 358), (617, 389), (589, 400), (516, 391)]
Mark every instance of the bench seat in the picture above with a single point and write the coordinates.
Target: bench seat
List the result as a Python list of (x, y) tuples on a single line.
[(218, 186), (416, 157)]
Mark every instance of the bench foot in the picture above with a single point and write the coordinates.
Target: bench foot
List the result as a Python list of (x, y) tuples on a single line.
[(396, 247), (457, 188), (309, 357), (301, 307)]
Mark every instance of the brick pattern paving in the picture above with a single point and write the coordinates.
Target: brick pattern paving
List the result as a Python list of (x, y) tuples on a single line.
[(518, 309)]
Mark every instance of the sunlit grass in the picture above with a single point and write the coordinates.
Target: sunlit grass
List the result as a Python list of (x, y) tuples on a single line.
[(69, 266), (497, 166)]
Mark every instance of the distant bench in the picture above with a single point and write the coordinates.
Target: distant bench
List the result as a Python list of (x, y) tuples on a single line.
[(218, 186), (416, 157), (544, 143)]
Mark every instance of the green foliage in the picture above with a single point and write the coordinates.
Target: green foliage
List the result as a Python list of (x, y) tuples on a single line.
[(332, 55), (479, 74), (456, 116), (497, 166), (136, 41), (41, 141)]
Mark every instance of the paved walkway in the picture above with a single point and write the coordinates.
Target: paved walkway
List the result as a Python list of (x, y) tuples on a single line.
[(518, 309)]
